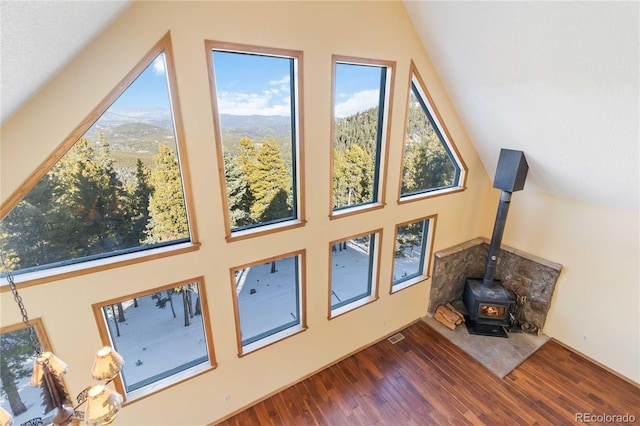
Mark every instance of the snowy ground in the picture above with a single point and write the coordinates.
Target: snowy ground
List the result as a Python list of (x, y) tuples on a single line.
[(153, 342), (30, 396), (407, 266), (274, 300), (150, 335)]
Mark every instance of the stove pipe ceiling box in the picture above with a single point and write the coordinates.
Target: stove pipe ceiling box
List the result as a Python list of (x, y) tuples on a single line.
[(511, 172)]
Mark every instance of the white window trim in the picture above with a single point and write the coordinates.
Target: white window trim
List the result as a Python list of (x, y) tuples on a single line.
[(354, 305), (273, 338), (81, 268), (408, 283), (168, 381)]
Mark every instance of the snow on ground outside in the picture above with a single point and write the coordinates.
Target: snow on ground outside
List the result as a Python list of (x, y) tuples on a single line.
[(151, 335), (153, 342), (274, 302)]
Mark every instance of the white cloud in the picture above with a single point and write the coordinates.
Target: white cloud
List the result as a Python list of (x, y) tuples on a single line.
[(274, 100), (359, 101), (158, 65), (283, 80), (236, 103)]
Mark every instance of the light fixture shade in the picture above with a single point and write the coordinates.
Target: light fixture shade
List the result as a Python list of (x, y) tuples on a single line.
[(55, 365), (5, 418), (107, 364), (102, 405)]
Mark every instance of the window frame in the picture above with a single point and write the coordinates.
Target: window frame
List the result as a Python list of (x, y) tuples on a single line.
[(297, 142), (428, 236), (115, 260), (426, 101), (171, 380), (38, 327), (271, 337), (384, 136), (373, 275)]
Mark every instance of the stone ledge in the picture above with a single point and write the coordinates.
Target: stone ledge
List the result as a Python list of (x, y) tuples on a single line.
[(460, 247), (482, 240)]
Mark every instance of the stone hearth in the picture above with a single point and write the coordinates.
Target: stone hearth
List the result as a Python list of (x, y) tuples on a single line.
[(521, 273)]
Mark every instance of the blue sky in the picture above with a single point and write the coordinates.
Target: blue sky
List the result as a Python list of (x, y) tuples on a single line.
[(252, 84), (149, 90), (357, 88), (255, 84)]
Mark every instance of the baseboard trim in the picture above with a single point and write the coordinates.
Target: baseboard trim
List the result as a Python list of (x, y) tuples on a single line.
[(599, 364)]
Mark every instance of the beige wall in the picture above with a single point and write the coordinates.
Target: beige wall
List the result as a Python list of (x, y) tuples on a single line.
[(598, 246), (379, 30), (596, 306)]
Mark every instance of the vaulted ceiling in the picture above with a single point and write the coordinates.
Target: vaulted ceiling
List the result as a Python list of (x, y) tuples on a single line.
[(557, 80)]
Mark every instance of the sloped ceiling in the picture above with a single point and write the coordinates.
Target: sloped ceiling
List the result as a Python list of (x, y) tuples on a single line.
[(38, 38), (557, 80)]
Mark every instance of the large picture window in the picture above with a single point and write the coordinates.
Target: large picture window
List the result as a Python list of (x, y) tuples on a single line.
[(360, 133), (162, 334), (354, 272), (413, 242), (23, 401), (431, 162), (118, 188), (257, 110), (269, 300)]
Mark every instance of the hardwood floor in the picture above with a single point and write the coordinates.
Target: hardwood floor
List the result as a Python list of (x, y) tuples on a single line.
[(424, 379)]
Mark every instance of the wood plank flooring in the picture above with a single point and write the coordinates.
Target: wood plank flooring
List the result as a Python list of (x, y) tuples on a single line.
[(425, 379)]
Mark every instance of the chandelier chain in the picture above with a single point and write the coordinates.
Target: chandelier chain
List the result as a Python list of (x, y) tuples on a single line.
[(23, 311)]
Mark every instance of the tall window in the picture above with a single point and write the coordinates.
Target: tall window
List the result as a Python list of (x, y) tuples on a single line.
[(256, 103), (412, 252), (354, 267), (162, 334), (17, 396), (118, 188), (431, 162), (269, 300), (360, 132)]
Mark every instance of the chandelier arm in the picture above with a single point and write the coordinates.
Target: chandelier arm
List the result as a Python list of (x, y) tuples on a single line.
[(23, 311)]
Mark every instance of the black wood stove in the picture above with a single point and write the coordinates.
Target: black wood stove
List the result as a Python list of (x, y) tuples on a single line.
[(488, 303)]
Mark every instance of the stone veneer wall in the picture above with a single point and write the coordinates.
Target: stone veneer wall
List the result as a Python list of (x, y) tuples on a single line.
[(521, 273)]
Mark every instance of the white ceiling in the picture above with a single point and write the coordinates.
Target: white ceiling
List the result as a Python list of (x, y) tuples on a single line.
[(38, 38), (557, 80)]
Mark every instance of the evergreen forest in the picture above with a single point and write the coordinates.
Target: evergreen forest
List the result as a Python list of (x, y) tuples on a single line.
[(82, 208), (92, 203)]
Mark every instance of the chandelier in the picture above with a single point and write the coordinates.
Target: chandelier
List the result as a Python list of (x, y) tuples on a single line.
[(103, 403)]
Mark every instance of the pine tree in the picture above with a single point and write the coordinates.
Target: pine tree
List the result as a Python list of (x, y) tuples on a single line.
[(426, 163), (353, 177), (16, 350), (161, 302), (238, 194), (268, 179), (26, 227), (140, 195), (410, 236), (167, 210)]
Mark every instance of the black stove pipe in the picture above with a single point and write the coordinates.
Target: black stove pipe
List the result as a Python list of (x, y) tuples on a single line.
[(496, 238), (511, 175)]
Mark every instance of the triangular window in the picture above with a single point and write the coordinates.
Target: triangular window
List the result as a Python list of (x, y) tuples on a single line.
[(118, 188), (431, 162)]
